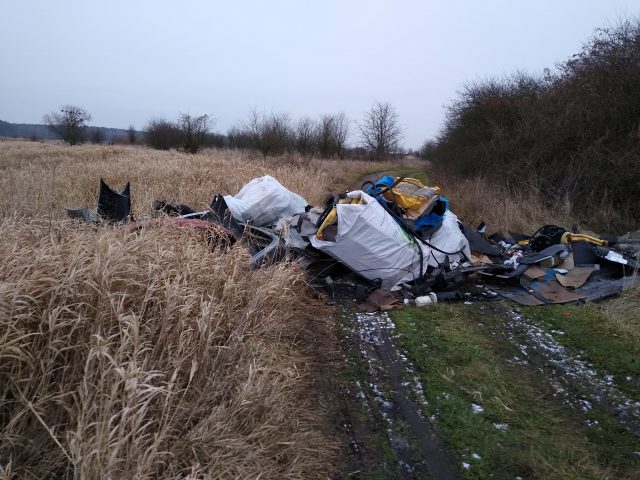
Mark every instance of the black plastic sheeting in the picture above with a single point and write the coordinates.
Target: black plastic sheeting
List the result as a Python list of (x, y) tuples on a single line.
[(114, 207)]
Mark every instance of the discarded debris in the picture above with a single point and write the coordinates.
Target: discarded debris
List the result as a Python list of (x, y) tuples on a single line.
[(394, 243)]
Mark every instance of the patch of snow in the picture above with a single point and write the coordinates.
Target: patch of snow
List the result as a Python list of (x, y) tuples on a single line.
[(475, 408), (585, 405), (501, 426), (466, 465), (568, 373)]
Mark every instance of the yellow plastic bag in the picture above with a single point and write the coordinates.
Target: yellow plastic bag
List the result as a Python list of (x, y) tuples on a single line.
[(412, 194)]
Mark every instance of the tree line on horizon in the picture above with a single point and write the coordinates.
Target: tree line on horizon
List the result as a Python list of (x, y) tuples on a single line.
[(271, 134)]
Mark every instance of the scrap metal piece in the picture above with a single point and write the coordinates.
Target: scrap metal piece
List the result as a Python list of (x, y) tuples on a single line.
[(264, 246), (518, 295), (114, 207), (220, 213)]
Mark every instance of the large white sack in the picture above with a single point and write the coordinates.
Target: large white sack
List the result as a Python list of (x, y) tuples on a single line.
[(370, 242), (448, 238), (263, 201)]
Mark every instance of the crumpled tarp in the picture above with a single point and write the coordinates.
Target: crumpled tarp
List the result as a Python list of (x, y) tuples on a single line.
[(263, 201)]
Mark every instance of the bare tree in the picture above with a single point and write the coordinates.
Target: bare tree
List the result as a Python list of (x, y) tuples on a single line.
[(305, 136), (132, 135), (70, 123), (252, 130), (341, 130), (194, 131), (380, 131), (332, 133), (324, 136)]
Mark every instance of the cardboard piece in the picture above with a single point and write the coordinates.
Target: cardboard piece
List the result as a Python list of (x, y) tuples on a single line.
[(576, 277), (534, 273), (553, 292)]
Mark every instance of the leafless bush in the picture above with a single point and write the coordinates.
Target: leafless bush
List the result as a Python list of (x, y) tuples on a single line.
[(132, 135), (270, 134), (570, 134), (325, 136), (162, 134), (305, 136), (239, 138), (194, 131), (69, 123), (332, 133), (342, 129)]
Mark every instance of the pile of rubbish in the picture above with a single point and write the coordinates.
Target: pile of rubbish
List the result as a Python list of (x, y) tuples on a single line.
[(395, 242)]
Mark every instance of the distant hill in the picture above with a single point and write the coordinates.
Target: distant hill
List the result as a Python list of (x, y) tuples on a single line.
[(40, 131)]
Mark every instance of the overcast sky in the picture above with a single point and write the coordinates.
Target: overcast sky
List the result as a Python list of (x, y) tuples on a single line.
[(128, 61)]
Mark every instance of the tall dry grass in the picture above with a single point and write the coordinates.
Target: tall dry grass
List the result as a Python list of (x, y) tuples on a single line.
[(476, 200), (44, 178), (152, 354), (624, 311)]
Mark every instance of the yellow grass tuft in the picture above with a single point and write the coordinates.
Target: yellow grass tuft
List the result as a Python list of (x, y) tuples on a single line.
[(623, 311), (44, 178), (152, 354), (138, 355), (476, 200)]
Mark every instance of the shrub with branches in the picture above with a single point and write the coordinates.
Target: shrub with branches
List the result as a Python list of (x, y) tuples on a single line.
[(69, 123), (162, 134), (132, 135), (572, 134), (270, 134), (332, 133), (194, 131), (305, 136)]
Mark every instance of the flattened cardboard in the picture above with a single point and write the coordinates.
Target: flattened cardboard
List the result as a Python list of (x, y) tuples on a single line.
[(576, 277)]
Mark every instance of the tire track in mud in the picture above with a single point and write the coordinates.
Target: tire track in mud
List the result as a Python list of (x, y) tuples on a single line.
[(574, 380), (395, 396)]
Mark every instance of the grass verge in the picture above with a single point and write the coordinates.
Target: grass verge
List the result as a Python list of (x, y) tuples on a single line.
[(522, 429), (586, 331)]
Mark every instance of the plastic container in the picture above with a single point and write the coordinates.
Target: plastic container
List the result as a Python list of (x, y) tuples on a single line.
[(426, 300)]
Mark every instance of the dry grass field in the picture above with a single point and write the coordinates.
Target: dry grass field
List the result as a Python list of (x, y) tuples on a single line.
[(157, 355), (41, 179), (152, 354)]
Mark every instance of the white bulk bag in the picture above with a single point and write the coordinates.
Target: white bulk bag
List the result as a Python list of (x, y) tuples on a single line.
[(263, 201), (371, 243), (448, 238)]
